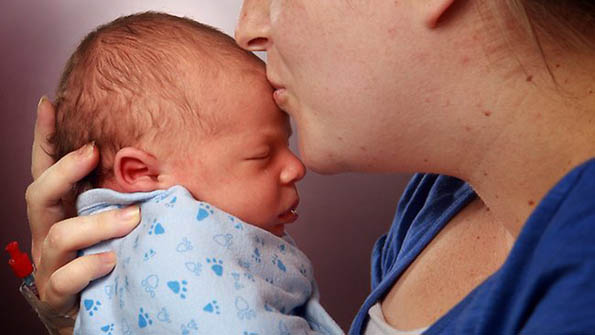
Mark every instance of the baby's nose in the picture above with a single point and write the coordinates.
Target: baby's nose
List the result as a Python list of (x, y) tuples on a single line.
[(294, 171)]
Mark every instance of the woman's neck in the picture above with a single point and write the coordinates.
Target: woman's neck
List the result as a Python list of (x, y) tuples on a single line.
[(532, 140)]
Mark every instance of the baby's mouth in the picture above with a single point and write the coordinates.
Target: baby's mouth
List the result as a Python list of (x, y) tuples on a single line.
[(290, 215)]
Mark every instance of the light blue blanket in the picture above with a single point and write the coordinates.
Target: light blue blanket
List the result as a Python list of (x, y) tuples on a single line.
[(190, 268)]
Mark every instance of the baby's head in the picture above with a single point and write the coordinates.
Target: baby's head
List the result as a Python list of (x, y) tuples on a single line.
[(170, 101)]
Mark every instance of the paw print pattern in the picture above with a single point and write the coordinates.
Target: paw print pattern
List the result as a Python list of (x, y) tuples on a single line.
[(237, 224), (256, 255), (143, 319), (216, 266), (126, 328), (108, 329), (178, 288), (244, 311), (162, 197), (259, 240), (277, 261), (186, 328), (109, 291), (149, 254), (150, 284), (224, 240), (204, 211), (156, 228), (194, 267), (184, 246), (171, 203), (236, 281), (249, 276), (212, 307), (163, 315), (91, 306), (244, 264)]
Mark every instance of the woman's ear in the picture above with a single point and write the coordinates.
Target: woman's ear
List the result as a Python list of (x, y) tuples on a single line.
[(434, 10), (136, 171)]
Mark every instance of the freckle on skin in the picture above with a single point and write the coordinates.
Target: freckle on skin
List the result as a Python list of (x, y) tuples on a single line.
[(485, 174), (529, 78), (465, 60), (487, 113), (363, 149), (467, 128), (531, 202), (557, 65), (425, 160)]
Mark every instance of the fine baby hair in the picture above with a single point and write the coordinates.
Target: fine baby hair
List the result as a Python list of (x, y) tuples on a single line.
[(135, 79)]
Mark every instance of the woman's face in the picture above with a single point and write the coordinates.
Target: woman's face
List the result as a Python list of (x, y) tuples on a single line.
[(351, 73)]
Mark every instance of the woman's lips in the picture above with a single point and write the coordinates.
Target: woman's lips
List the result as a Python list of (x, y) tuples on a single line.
[(280, 97)]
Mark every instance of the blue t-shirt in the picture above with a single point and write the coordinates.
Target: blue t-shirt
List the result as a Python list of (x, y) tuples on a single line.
[(546, 285)]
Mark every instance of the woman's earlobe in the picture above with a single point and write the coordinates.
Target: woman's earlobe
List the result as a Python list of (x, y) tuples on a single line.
[(435, 10), (135, 171)]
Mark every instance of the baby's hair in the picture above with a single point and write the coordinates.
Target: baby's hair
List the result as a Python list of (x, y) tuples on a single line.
[(129, 81)]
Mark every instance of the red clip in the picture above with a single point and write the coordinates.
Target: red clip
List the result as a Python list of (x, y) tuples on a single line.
[(19, 261)]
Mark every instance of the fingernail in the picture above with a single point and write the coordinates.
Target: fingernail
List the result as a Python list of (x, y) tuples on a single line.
[(43, 98), (108, 258), (87, 150), (130, 214)]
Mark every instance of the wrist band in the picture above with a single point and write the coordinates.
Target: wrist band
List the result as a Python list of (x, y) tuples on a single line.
[(55, 323)]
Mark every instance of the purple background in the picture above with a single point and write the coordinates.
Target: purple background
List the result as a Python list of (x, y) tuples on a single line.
[(341, 216)]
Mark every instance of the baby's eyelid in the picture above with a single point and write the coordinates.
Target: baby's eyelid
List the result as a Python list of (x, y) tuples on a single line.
[(262, 155)]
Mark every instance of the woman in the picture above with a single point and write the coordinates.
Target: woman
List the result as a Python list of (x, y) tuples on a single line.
[(496, 93)]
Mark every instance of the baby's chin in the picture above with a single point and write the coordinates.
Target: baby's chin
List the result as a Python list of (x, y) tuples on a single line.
[(277, 229)]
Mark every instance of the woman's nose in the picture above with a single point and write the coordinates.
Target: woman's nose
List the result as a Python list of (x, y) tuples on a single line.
[(293, 171), (252, 32)]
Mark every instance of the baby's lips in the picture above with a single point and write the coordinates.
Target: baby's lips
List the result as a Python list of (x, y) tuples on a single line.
[(288, 217), (291, 214)]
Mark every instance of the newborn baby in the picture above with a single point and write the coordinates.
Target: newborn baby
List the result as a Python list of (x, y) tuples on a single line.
[(187, 129)]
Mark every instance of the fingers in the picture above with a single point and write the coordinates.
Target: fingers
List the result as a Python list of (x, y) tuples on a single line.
[(64, 285), (44, 207), (60, 276), (57, 180), (41, 158), (66, 237)]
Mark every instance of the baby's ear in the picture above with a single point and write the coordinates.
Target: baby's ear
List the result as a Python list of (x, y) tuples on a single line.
[(136, 171)]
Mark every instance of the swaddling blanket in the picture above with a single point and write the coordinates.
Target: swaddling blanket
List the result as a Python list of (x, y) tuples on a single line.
[(190, 268)]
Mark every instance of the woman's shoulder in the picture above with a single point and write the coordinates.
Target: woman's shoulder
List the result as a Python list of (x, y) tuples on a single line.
[(549, 276), (427, 204)]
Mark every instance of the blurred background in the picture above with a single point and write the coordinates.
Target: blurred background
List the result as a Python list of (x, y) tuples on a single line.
[(341, 216)]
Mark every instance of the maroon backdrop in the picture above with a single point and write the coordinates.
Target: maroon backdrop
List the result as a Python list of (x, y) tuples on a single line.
[(341, 215)]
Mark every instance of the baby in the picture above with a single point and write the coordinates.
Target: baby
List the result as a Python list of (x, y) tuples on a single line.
[(171, 102)]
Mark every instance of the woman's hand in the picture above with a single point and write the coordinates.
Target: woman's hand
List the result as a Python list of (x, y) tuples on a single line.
[(56, 235)]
